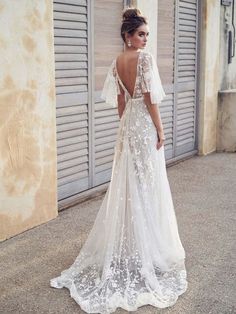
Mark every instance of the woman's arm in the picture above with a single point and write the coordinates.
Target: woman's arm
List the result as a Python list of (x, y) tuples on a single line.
[(154, 112), (121, 104)]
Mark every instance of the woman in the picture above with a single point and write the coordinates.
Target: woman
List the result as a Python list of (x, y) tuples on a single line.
[(133, 255)]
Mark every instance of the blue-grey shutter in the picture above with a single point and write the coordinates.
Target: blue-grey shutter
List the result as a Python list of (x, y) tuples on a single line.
[(86, 127), (177, 62), (165, 62), (186, 76), (71, 70)]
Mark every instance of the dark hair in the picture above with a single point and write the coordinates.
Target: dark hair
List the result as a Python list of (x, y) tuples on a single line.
[(132, 19)]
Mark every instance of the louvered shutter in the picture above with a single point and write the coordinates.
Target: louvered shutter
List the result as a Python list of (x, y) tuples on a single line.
[(177, 62), (186, 76), (108, 44), (71, 66), (165, 62)]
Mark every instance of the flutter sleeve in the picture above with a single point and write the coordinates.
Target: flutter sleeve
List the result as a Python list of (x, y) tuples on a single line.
[(111, 87), (151, 81)]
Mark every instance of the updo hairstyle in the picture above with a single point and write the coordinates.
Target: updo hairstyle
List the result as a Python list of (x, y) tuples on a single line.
[(132, 19)]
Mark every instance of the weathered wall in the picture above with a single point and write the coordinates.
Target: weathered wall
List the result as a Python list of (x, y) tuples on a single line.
[(226, 131), (209, 75), (227, 70), (27, 116)]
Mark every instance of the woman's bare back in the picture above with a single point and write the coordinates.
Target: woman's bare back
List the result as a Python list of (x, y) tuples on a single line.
[(126, 65)]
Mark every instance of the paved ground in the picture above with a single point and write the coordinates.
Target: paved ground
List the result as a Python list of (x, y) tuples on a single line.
[(204, 194)]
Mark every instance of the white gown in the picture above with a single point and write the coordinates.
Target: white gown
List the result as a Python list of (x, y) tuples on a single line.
[(133, 255)]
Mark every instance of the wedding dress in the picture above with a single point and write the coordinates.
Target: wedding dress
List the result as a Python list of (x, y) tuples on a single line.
[(133, 255)]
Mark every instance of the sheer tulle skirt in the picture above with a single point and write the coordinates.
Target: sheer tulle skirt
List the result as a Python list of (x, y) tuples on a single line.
[(133, 255)]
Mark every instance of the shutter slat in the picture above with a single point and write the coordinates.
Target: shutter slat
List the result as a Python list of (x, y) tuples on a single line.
[(71, 89), (105, 133), (105, 146), (72, 99), (103, 153), (187, 73), (71, 155), (104, 167), (106, 119), (72, 81), (64, 16), (65, 111), (184, 4), (72, 140), (184, 131), (70, 65), (68, 8), (71, 133), (71, 148), (72, 162), (70, 25), (71, 57), (72, 118), (71, 2), (186, 141), (70, 41), (71, 73), (104, 160), (104, 113), (72, 170), (70, 49), (104, 140), (73, 177), (76, 33), (185, 115), (72, 126)]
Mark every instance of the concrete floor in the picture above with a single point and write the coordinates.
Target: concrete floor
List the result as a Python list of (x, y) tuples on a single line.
[(204, 194)]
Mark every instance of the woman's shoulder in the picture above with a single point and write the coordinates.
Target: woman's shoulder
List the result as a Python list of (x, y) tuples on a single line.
[(147, 55), (147, 60)]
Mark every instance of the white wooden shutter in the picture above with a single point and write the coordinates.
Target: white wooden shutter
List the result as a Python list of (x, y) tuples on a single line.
[(177, 62), (165, 62), (71, 66), (186, 76)]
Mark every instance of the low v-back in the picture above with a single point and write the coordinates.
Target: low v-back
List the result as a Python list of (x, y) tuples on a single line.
[(135, 81), (133, 255)]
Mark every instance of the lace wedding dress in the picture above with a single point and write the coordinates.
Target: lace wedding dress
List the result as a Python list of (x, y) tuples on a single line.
[(133, 255)]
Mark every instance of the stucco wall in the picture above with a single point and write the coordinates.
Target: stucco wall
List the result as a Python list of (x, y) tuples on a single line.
[(27, 116), (209, 75), (227, 70), (226, 132)]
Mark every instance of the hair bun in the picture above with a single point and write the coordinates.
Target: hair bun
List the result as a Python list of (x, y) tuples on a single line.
[(131, 13)]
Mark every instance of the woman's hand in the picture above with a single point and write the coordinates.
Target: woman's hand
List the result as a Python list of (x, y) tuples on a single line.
[(160, 139)]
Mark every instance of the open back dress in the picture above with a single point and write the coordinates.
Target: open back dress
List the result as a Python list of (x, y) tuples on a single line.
[(133, 255)]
